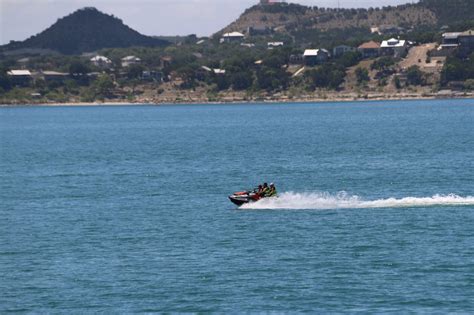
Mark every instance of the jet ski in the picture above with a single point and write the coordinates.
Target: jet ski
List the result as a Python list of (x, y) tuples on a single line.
[(243, 197)]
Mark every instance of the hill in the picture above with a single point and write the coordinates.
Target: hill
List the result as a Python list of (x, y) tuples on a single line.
[(294, 19), (86, 30)]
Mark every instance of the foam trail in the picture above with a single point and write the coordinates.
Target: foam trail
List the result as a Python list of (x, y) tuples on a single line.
[(326, 201)]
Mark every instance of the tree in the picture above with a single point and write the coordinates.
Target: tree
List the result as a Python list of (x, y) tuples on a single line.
[(78, 68), (5, 82), (135, 71), (327, 76), (362, 75), (241, 80), (414, 76), (103, 86), (350, 59)]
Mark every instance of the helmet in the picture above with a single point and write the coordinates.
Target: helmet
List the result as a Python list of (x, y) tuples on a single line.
[(272, 184)]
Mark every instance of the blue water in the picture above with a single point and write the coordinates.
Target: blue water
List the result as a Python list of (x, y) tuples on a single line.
[(124, 209)]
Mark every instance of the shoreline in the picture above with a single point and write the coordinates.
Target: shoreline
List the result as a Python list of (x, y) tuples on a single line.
[(269, 100)]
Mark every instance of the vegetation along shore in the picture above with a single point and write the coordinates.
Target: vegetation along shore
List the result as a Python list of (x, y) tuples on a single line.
[(272, 52)]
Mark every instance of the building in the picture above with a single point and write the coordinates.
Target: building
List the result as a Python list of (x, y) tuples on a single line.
[(54, 76), (232, 37), (451, 38), (215, 71), (341, 50), (466, 42), (20, 77), (315, 56), (369, 49), (101, 62), (130, 60), (394, 47), (272, 45)]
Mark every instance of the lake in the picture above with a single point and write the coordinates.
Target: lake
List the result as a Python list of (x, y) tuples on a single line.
[(124, 208)]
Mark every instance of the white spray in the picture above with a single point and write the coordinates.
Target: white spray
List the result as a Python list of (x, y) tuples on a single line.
[(323, 201)]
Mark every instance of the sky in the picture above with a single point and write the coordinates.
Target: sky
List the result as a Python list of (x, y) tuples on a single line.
[(20, 19)]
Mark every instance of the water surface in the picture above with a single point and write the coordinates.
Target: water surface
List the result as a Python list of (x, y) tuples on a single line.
[(124, 209)]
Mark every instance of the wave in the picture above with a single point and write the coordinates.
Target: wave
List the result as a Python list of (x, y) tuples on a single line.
[(342, 200)]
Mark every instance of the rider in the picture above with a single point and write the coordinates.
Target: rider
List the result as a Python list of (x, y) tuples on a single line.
[(260, 190), (265, 190), (272, 191)]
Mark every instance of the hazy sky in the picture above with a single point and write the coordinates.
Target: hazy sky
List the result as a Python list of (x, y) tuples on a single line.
[(19, 19)]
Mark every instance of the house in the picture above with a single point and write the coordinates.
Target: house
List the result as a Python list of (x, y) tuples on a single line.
[(462, 40), (215, 71), (20, 77), (450, 41), (272, 45), (219, 71), (232, 37), (394, 47), (466, 42), (341, 50), (54, 76), (314, 56), (101, 62), (369, 49), (130, 60)]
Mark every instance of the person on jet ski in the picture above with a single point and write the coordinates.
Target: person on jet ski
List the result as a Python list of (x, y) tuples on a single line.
[(265, 190), (272, 192)]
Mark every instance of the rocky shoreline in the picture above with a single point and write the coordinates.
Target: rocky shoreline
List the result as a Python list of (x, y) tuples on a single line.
[(252, 100)]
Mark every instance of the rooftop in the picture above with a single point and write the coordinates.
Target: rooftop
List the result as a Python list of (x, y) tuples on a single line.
[(233, 34), (19, 72), (452, 35), (101, 58), (131, 58), (55, 73), (393, 42)]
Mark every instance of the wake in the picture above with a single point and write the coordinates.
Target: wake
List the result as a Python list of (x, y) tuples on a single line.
[(326, 201)]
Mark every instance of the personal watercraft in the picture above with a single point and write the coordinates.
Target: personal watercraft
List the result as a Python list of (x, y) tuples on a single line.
[(243, 197)]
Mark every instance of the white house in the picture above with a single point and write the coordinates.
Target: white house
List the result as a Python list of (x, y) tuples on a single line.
[(394, 47), (272, 45), (130, 60), (101, 61), (232, 37), (20, 77)]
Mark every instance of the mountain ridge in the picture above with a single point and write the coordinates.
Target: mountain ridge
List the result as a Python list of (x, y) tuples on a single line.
[(86, 30), (289, 18)]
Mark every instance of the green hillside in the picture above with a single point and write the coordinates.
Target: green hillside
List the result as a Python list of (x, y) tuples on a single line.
[(292, 19), (86, 30)]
